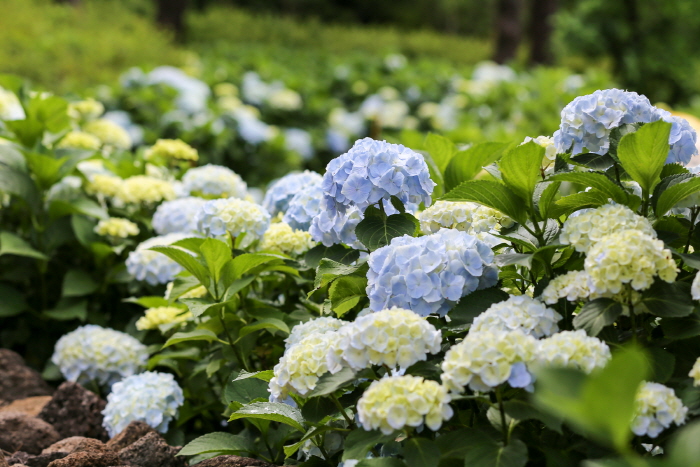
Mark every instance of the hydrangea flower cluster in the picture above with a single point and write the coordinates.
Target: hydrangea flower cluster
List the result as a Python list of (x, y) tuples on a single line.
[(695, 287), (486, 359), (314, 326), (582, 231), (171, 149), (331, 228), (280, 193), (144, 189), (587, 121), (154, 317), (149, 397), (153, 267), (550, 149), (177, 215), (88, 109), (303, 364), (695, 373), (395, 402), (628, 257), (94, 353), (574, 286), (657, 406), (468, 217), (393, 337), (429, 274), (303, 207), (573, 349), (519, 312), (281, 237), (109, 133), (233, 215), (116, 227), (10, 106), (80, 140), (374, 170), (214, 181), (105, 185)]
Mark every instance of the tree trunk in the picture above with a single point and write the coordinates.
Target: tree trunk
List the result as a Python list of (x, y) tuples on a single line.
[(540, 31), (171, 15), (508, 30)]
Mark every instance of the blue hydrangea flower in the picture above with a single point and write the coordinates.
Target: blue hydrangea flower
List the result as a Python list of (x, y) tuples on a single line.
[(331, 228), (103, 355), (177, 216), (155, 268), (303, 207), (283, 190), (586, 123), (429, 274), (150, 397), (299, 141), (214, 181)]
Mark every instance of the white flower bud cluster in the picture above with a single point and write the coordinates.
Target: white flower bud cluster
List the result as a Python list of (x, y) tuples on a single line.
[(657, 406), (519, 312), (395, 402), (582, 231), (468, 217)]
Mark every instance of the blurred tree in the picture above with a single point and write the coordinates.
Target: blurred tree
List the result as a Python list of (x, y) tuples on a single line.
[(171, 15), (540, 31), (508, 30)]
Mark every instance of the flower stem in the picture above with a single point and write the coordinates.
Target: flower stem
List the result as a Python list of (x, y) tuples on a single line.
[(694, 211), (337, 403), (501, 409)]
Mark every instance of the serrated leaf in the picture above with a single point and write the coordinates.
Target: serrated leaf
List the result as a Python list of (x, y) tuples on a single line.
[(217, 442), (441, 150), (345, 292), (471, 306), (271, 324), (337, 253), (421, 452), (521, 169), (377, 231), (675, 194), (329, 383), (187, 261), (246, 262), (265, 375), (597, 314), (644, 152), (11, 244), (668, 300), (273, 411), (485, 452), (12, 303), (593, 161), (359, 442), (77, 282), (492, 194), (545, 192), (245, 390), (594, 180), (196, 335), (465, 165)]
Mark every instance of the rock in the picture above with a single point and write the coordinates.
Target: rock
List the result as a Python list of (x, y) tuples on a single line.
[(3, 462), (232, 461), (19, 458), (19, 431), (17, 380), (104, 458), (75, 444), (42, 460), (132, 433), (75, 411), (30, 405), (152, 451)]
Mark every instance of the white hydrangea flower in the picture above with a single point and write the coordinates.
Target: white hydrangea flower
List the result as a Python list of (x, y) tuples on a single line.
[(468, 217), (695, 288), (149, 397), (313, 326), (281, 237), (519, 312), (572, 349), (486, 359), (177, 215), (10, 106), (392, 337), (550, 149), (144, 189), (657, 406), (109, 133), (88, 109), (94, 353), (233, 215), (153, 267), (395, 402), (156, 316), (574, 286), (695, 373), (628, 257), (116, 227), (584, 230), (214, 181), (303, 364)]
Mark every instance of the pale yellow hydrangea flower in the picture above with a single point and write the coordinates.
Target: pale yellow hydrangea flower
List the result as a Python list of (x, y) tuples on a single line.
[(468, 217), (168, 149), (628, 257), (89, 109), (105, 185), (198, 292), (572, 349), (80, 140), (116, 227), (109, 133), (285, 99), (145, 189), (395, 402), (158, 316), (281, 237), (657, 406), (519, 312), (584, 230), (576, 286), (550, 150)]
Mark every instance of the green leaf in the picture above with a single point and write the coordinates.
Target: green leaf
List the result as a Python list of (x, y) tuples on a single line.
[(77, 283), (662, 364), (421, 452), (684, 449), (547, 192), (182, 285), (273, 411), (84, 206), (521, 410), (148, 302), (345, 292), (18, 183), (67, 310), (485, 452), (271, 324), (521, 169), (377, 230), (192, 244), (359, 442), (329, 383), (11, 156), (668, 300), (196, 335), (199, 306), (593, 161), (594, 180), (290, 450), (12, 303), (187, 261), (465, 165), (597, 314), (215, 254), (246, 390), (217, 442), (246, 262), (644, 152), (337, 253), (471, 306), (265, 375), (492, 194), (381, 462), (441, 150), (328, 270), (317, 408), (675, 194), (682, 328), (11, 244)]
